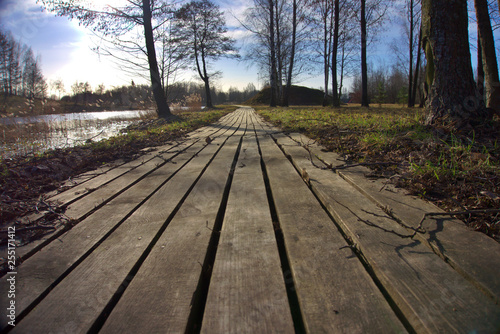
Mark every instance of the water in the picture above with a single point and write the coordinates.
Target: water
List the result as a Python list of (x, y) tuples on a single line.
[(36, 134)]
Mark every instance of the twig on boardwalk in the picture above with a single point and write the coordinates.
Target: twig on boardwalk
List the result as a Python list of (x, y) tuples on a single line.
[(466, 212), (306, 147), (365, 164), (369, 223), (385, 183)]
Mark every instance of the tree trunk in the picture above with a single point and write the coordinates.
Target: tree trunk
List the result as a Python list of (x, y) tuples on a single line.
[(273, 54), (335, 85), (327, 44), (410, 74), (158, 92), (364, 68), (417, 68), (452, 93), (279, 55), (286, 94), (208, 95), (480, 67), (206, 80), (491, 82)]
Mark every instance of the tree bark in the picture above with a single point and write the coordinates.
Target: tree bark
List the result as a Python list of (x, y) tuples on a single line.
[(410, 74), (364, 68), (273, 54), (417, 68), (286, 94), (206, 79), (327, 42), (487, 41), (279, 54), (335, 85), (158, 92), (452, 93), (480, 67)]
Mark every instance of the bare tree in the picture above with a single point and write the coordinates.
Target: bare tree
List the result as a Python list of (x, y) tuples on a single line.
[(348, 42), (286, 94), (35, 85), (335, 98), (372, 14), (171, 57), (414, 20), (116, 23), (324, 21), (201, 29), (280, 36), (272, 47), (364, 68), (10, 64), (486, 44), (452, 93), (58, 86)]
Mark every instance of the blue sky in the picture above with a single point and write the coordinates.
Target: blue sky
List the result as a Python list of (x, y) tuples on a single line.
[(65, 47)]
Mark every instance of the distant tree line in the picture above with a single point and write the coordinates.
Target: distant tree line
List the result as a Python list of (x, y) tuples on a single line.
[(20, 70), (387, 86), (140, 96)]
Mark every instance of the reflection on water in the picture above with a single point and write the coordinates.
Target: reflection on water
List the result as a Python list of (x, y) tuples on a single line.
[(84, 116), (36, 134)]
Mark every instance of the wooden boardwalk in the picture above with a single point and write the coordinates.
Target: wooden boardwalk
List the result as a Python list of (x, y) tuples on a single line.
[(242, 229)]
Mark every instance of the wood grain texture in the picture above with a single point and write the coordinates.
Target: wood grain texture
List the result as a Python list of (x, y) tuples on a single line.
[(247, 290), (335, 292), (432, 296), (160, 297), (79, 299), (461, 247), (41, 270)]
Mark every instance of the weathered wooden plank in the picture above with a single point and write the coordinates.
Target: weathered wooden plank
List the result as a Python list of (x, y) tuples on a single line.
[(430, 294), (160, 297), (335, 292), (84, 188), (247, 291), (462, 248), (88, 182), (38, 273), (102, 180), (111, 185), (43, 269), (79, 299), (84, 177)]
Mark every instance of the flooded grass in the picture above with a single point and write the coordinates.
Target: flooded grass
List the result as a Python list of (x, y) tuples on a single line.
[(35, 136)]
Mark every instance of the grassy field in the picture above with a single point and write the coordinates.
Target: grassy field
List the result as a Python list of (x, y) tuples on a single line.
[(455, 170)]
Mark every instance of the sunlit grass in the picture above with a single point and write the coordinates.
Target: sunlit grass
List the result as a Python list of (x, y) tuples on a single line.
[(374, 125), (456, 170)]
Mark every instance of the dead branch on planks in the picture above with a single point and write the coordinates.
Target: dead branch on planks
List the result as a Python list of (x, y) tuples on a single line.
[(454, 213)]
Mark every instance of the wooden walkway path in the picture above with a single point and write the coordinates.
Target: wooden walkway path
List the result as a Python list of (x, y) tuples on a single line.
[(242, 229)]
